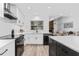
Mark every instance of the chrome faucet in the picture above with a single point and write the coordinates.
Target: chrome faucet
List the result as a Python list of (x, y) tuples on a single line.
[(36, 29)]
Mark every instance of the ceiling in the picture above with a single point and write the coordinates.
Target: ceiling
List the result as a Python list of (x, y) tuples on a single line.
[(47, 10)]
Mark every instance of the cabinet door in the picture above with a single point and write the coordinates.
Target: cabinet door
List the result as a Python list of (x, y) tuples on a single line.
[(69, 52), (59, 49), (65, 51), (45, 40), (62, 50), (29, 39), (73, 53), (52, 47), (39, 39), (8, 50), (34, 39)]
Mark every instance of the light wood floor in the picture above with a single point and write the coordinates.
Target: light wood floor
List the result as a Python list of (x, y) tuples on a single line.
[(36, 50)]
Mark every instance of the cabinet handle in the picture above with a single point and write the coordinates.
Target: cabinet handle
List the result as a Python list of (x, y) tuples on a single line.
[(4, 52)]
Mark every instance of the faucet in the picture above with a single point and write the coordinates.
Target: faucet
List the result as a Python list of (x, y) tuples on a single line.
[(36, 29)]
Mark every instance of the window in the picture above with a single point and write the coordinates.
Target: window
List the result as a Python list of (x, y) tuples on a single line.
[(36, 25), (68, 25)]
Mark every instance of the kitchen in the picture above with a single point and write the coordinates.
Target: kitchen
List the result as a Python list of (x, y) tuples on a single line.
[(39, 29)]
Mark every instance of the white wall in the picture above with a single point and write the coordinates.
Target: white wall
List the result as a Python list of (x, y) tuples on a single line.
[(75, 24), (5, 28), (59, 24), (67, 21), (57, 9), (45, 26), (1, 10), (28, 26), (26, 16)]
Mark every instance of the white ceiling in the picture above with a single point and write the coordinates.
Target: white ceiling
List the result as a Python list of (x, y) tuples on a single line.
[(46, 10)]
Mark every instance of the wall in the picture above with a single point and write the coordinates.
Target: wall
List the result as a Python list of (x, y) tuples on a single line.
[(30, 10), (1, 10), (26, 16), (67, 20), (69, 10), (45, 25), (5, 28), (59, 24)]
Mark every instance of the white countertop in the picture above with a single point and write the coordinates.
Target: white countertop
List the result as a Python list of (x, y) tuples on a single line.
[(38, 33), (69, 41), (4, 42)]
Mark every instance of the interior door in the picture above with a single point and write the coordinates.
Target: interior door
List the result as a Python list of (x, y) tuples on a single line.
[(51, 26)]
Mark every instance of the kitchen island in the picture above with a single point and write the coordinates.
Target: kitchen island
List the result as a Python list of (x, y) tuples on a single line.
[(11, 46), (7, 47), (64, 45)]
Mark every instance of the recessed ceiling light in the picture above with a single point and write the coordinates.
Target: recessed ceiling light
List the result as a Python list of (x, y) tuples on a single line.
[(28, 8), (49, 7), (36, 18)]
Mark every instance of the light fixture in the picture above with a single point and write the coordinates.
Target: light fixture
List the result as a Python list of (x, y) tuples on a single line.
[(36, 18), (28, 8), (48, 7)]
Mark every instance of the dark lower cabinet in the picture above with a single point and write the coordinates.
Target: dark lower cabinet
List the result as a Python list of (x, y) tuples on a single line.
[(52, 48), (45, 40), (57, 49), (68, 52)]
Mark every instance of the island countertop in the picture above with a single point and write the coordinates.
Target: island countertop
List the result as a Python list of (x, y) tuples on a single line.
[(71, 42)]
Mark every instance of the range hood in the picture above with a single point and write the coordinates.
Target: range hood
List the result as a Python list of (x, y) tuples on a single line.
[(9, 16), (8, 13)]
